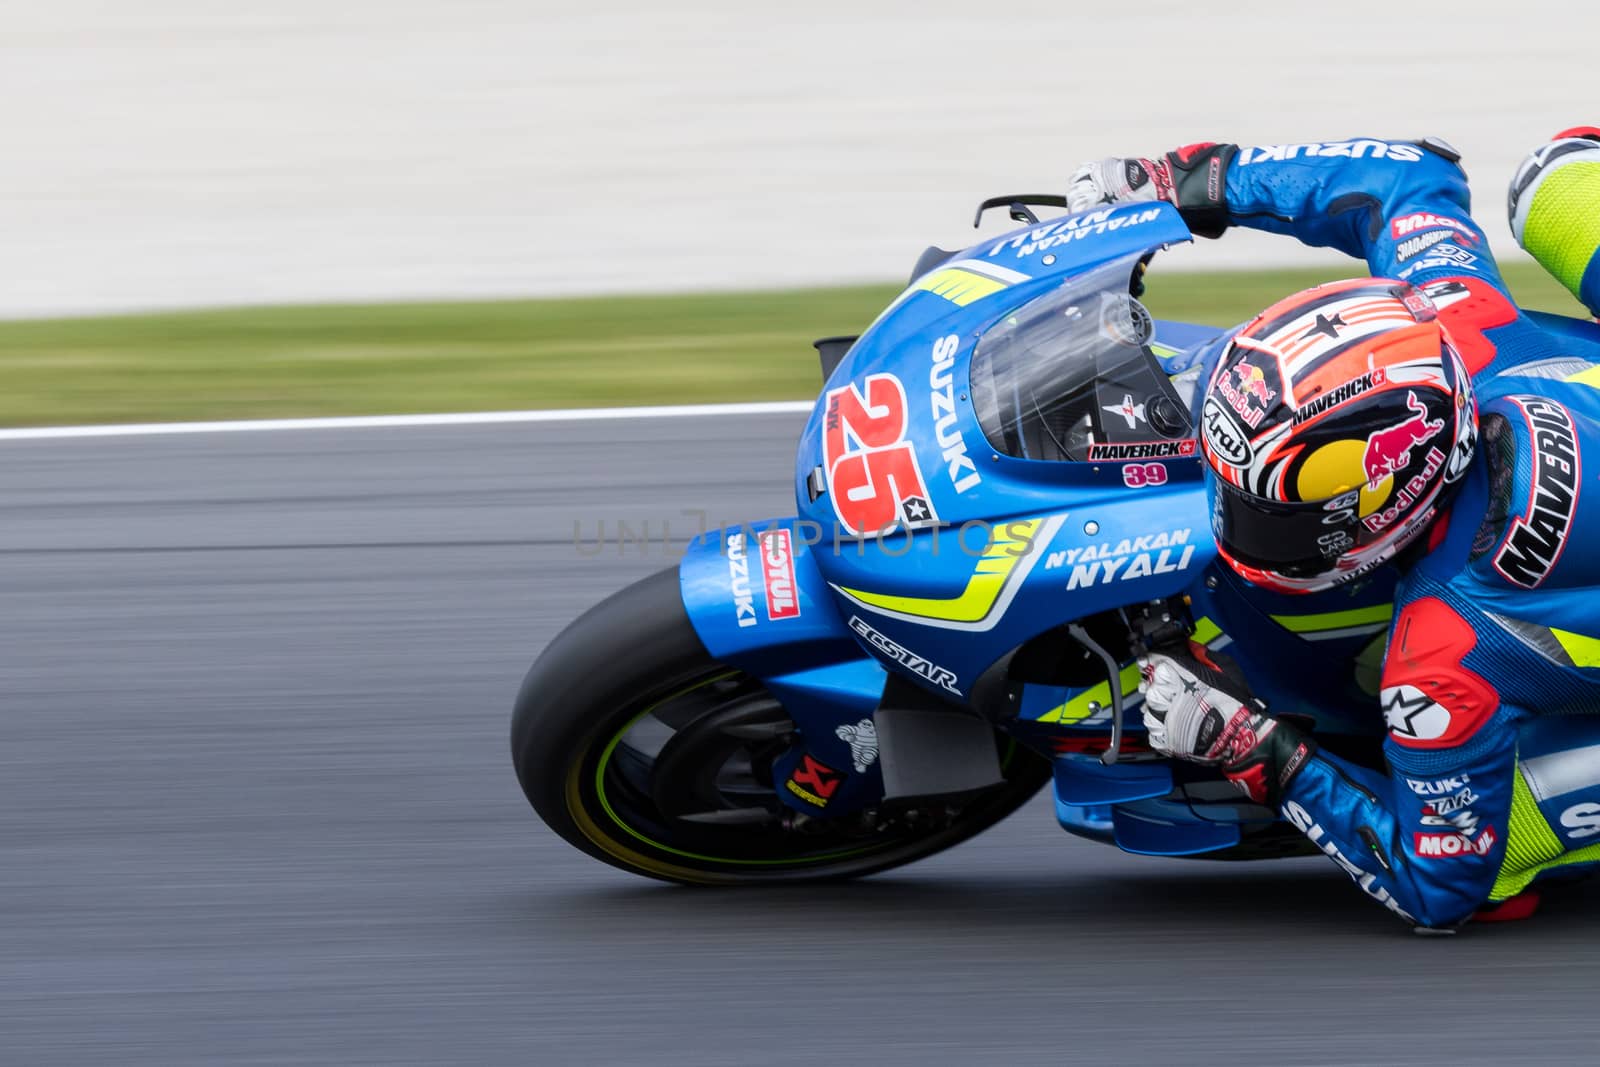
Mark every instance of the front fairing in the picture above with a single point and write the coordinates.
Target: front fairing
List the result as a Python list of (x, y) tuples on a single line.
[(913, 365), (1008, 547), (1012, 547), (1000, 548)]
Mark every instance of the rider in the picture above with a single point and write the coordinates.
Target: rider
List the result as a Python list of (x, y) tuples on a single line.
[(1341, 432)]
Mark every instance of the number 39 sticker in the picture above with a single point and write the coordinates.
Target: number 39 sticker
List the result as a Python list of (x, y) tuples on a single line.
[(1135, 475)]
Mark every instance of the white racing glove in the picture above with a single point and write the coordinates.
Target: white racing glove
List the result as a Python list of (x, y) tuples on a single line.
[(1191, 717), (1194, 178), (1118, 181)]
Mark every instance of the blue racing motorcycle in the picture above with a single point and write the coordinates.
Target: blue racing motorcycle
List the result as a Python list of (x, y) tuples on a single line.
[(1000, 507)]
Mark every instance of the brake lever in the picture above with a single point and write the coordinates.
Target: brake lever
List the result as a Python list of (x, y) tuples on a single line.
[(1113, 683), (1157, 625)]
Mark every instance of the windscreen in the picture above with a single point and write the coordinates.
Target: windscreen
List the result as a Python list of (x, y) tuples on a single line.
[(1070, 376)]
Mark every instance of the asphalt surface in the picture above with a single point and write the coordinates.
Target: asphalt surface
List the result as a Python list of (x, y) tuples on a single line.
[(256, 806)]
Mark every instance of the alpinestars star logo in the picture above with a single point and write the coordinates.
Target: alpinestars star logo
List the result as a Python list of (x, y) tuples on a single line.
[(1410, 713), (863, 741), (917, 510)]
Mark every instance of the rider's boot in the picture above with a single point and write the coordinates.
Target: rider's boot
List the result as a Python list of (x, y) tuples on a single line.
[(1554, 207)]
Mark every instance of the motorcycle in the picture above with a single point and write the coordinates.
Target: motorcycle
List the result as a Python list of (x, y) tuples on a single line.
[(999, 508)]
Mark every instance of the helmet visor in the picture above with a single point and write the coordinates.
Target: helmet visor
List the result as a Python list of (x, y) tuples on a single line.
[(1297, 540)]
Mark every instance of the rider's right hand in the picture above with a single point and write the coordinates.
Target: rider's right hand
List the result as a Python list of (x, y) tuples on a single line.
[(1198, 708)]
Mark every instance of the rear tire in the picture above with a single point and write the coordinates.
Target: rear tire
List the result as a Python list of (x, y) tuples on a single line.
[(633, 668)]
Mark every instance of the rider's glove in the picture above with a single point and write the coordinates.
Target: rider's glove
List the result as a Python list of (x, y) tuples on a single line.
[(1192, 713), (1194, 178), (1118, 181)]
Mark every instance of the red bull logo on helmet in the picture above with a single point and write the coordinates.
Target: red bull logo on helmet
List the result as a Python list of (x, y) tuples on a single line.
[(1414, 490), (1253, 382), (1389, 450), (1245, 388)]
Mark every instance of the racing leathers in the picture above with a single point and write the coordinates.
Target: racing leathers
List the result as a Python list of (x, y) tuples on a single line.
[(1492, 674)]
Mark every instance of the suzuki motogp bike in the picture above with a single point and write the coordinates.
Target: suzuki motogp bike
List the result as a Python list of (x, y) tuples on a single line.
[(999, 508)]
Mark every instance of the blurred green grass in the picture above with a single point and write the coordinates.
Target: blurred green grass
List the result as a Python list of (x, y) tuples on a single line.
[(493, 355)]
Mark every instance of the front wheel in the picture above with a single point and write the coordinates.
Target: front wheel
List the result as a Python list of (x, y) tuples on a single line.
[(637, 747)]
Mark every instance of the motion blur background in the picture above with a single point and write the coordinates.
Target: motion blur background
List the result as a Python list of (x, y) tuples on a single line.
[(174, 153), (256, 803)]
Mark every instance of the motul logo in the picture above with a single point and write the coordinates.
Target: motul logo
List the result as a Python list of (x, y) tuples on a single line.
[(1446, 845), (777, 571), (1423, 220)]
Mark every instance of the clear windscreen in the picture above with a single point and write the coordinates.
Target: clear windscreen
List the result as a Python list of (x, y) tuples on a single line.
[(1071, 373)]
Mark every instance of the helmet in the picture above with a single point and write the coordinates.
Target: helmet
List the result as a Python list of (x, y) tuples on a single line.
[(1335, 426)]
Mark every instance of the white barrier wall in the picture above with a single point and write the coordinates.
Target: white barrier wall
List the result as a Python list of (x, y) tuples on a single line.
[(183, 152)]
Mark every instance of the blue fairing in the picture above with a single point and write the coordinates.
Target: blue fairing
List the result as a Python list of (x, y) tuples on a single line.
[(1046, 253), (737, 612), (788, 634), (953, 595)]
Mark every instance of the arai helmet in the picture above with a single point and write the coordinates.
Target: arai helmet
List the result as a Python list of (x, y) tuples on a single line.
[(1335, 427)]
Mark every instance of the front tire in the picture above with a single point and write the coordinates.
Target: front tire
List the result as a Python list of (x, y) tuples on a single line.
[(637, 747)]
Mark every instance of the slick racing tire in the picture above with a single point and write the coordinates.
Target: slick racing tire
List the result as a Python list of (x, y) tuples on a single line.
[(637, 747)]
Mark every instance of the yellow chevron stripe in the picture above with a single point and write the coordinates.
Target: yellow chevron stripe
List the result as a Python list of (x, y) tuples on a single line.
[(1010, 543), (1335, 620), (1077, 709), (960, 287)]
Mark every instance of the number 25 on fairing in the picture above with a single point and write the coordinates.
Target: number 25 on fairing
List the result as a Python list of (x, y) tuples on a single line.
[(874, 479)]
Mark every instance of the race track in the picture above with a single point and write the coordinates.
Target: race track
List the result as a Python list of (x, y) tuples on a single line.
[(256, 806)]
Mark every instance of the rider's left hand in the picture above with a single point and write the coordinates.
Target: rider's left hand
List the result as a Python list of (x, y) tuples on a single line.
[(1200, 710), (1118, 181), (1194, 178)]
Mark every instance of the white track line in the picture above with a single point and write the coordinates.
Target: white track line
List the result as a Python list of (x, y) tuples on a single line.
[(371, 422)]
